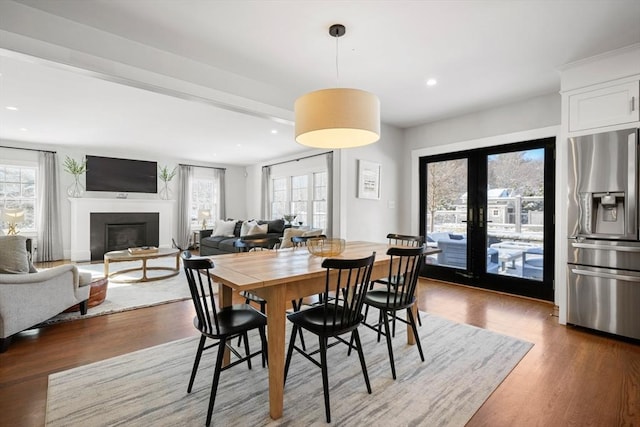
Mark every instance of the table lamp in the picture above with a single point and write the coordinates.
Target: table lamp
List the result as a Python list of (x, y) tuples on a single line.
[(12, 216), (203, 215)]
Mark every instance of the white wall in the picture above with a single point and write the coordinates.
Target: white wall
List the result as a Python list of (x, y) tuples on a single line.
[(354, 218), (234, 179)]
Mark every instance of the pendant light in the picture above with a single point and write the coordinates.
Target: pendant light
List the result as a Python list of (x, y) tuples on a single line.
[(338, 117)]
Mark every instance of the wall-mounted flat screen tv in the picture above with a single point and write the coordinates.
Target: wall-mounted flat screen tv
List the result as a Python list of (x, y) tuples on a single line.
[(121, 175)]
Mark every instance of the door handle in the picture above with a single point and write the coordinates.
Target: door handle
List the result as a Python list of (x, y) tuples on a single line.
[(605, 275), (606, 247)]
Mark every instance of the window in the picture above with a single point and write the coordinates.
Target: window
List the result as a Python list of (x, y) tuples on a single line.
[(18, 192), (302, 195), (205, 196)]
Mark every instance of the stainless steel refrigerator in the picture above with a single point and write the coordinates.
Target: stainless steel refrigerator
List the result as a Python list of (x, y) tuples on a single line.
[(604, 240)]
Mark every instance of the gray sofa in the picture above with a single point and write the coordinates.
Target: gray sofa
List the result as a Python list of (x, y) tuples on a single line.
[(217, 245)]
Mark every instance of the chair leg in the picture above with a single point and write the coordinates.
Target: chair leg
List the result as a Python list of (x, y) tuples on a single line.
[(248, 302), (216, 378), (292, 342), (415, 332), (196, 362), (389, 346), (265, 348), (297, 305), (247, 351), (84, 306), (4, 343), (355, 334), (325, 377)]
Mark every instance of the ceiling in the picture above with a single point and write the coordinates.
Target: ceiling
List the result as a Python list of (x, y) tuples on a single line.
[(482, 53)]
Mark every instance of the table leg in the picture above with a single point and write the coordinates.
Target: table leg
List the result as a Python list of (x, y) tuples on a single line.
[(414, 309), (276, 319), (106, 268), (225, 299), (144, 270)]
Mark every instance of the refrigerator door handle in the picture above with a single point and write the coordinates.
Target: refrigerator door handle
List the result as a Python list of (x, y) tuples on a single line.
[(606, 247), (605, 275), (632, 178)]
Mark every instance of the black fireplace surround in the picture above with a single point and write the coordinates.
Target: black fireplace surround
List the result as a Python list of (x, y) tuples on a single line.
[(114, 231)]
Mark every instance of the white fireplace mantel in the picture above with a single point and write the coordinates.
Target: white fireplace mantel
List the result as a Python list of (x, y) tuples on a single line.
[(82, 208)]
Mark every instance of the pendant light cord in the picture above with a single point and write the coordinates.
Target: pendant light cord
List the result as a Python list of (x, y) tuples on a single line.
[(337, 68)]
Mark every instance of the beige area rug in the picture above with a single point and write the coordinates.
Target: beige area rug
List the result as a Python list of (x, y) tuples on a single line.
[(129, 296), (463, 366)]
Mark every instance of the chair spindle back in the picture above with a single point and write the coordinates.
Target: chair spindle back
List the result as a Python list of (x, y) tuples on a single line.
[(202, 292), (349, 279), (405, 240), (405, 263)]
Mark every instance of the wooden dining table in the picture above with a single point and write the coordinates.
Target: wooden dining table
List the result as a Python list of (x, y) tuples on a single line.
[(280, 276)]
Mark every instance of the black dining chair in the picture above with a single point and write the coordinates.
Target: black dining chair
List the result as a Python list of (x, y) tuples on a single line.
[(334, 317), (397, 240), (398, 295), (221, 324)]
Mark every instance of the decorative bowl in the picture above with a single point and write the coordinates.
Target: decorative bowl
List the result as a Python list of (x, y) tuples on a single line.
[(326, 247)]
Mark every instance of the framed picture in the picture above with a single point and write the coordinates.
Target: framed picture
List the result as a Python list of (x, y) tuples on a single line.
[(368, 180)]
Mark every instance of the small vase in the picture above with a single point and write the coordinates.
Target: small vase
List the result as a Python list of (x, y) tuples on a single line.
[(165, 191), (76, 189)]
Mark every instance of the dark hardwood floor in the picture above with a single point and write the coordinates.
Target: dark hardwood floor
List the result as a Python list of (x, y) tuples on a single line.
[(570, 376)]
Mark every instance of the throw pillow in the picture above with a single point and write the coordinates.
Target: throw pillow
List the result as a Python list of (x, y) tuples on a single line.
[(258, 229), (288, 234), (314, 232), (14, 258), (246, 227), (224, 228)]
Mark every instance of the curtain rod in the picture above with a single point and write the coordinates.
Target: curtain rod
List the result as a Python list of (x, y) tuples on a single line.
[(205, 167), (27, 149), (296, 160)]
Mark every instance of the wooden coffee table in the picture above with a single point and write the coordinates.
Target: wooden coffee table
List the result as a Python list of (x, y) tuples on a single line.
[(122, 256)]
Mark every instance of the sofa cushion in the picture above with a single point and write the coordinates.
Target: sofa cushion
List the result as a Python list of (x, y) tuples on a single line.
[(246, 226), (224, 228), (228, 245), (288, 234), (275, 226), (14, 258), (258, 229)]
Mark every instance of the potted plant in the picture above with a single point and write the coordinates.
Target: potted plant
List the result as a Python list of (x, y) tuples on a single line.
[(166, 176), (75, 168)]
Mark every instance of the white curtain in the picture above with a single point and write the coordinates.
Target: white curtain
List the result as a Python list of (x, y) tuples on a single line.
[(48, 206), (329, 228), (219, 176), (265, 211), (185, 175)]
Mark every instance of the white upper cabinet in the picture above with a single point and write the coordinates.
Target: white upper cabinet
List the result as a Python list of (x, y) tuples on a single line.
[(607, 106)]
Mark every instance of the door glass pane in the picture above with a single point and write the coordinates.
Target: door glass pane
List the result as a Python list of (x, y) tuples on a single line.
[(447, 212), (515, 213)]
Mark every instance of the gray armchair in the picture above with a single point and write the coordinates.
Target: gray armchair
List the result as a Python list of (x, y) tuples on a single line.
[(27, 299)]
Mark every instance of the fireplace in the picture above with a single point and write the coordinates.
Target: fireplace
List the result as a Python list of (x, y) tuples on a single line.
[(122, 230)]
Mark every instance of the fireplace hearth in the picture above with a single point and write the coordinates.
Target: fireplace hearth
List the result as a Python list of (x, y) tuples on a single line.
[(122, 230)]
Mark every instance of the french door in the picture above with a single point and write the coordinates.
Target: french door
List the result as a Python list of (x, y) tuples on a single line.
[(490, 212)]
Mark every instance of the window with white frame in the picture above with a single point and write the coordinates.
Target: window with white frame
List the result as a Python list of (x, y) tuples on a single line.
[(205, 198), (303, 195), (18, 196)]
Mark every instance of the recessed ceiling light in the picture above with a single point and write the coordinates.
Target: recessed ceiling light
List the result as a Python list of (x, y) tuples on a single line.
[(432, 82), (24, 129), (12, 108), (238, 145), (274, 131)]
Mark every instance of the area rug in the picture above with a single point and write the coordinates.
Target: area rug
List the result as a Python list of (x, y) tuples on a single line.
[(129, 296), (463, 366)]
